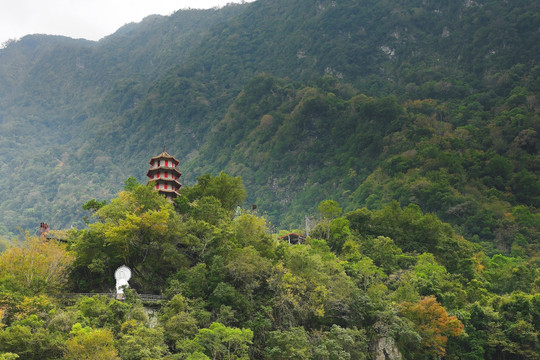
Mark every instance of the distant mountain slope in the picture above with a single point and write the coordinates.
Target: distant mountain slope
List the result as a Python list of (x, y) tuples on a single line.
[(50, 85), (301, 40), (187, 81), (372, 44)]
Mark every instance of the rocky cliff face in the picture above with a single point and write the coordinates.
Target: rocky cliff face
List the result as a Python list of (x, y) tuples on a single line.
[(385, 348)]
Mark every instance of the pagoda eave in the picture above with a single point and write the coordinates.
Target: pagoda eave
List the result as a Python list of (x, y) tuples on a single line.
[(166, 181), (152, 171), (168, 191), (165, 155)]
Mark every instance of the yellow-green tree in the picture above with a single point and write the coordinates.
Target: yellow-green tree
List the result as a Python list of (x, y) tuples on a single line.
[(36, 266), (90, 344)]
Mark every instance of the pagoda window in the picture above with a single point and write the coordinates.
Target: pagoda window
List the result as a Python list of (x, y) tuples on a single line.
[(165, 186), (166, 174)]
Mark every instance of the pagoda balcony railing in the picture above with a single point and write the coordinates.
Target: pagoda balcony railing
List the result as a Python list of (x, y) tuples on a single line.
[(164, 178), (156, 167)]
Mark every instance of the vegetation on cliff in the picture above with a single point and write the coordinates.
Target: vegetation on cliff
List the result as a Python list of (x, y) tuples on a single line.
[(233, 291)]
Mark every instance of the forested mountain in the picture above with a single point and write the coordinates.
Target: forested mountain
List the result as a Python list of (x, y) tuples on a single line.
[(404, 132), (45, 119), (432, 103)]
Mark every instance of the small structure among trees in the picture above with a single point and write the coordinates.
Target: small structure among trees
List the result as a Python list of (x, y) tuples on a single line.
[(165, 175), (43, 229), (293, 238), (45, 233)]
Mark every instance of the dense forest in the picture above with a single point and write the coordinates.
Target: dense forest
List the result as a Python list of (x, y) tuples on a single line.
[(402, 136), (366, 284)]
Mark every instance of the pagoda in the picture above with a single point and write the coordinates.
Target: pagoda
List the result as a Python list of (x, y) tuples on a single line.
[(164, 174)]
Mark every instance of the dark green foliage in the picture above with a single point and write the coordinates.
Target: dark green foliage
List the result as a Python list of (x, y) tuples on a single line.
[(94, 204), (233, 291), (224, 188)]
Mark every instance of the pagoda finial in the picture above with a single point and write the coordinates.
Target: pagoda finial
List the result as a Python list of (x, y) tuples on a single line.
[(164, 147)]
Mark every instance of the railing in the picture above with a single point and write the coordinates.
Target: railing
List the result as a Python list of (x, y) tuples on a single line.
[(150, 297), (143, 297)]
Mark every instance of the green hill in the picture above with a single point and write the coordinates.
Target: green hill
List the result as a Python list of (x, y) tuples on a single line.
[(431, 103)]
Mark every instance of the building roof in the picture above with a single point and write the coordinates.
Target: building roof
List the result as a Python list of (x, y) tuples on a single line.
[(152, 171), (165, 155), (291, 234), (163, 181), (293, 238), (168, 191)]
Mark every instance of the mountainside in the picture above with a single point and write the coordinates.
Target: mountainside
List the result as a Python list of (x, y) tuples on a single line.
[(45, 118), (433, 103)]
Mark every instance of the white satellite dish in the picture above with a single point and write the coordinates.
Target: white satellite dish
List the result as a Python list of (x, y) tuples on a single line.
[(122, 276)]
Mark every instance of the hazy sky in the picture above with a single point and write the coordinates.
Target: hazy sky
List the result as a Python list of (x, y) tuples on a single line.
[(88, 19)]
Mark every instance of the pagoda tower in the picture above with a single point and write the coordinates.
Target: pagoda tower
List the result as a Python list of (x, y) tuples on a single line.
[(164, 174)]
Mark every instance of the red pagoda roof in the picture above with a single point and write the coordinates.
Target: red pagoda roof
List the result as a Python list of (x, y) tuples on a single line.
[(165, 155), (165, 180), (165, 169)]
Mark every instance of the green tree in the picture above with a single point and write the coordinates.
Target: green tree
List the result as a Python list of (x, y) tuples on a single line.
[(329, 209), (102, 312), (251, 230), (340, 344), (507, 274), (227, 189), (177, 320), (138, 342), (290, 344), (219, 342), (30, 339), (131, 183), (248, 269), (94, 204), (87, 344)]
